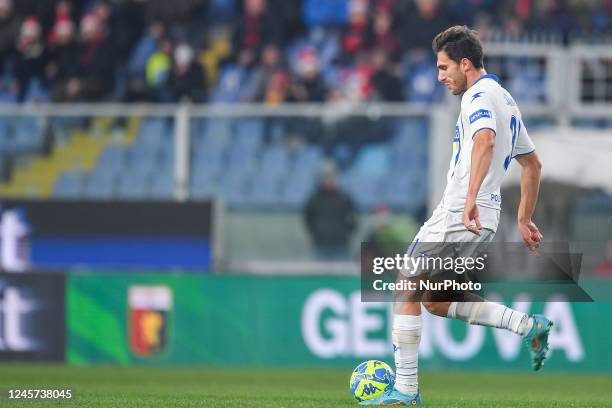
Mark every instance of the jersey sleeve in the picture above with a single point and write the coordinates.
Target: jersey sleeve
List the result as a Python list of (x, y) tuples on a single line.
[(481, 114), (524, 144)]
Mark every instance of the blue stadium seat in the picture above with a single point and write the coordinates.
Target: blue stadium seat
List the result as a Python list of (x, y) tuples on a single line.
[(140, 153), (365, 191), (265, 194), (112, 157), (203, 184), (296, 190), (407, 160), (208, 164), (237, 158), (153, 133), (218, 128), (204, 192), (234, 190), (162, 185), (100, 186), (275, 158), (155, 128), (415, 129), (309, 155), (405, 191), (142, 162), (133, 185), (344, 155), (372, 160), (203, 176), (249, 131), (5, 135), (166, 150), (27, 136), (197, 128), (68, 185)]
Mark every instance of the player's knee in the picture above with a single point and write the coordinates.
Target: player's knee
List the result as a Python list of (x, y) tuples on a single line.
[(436, 308), (408, 308)]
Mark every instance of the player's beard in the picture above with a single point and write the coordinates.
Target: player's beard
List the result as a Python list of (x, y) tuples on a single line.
[(461, 83), (461, 86)]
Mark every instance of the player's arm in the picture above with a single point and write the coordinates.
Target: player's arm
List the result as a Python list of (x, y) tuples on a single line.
[(531, 168), (482, 155)]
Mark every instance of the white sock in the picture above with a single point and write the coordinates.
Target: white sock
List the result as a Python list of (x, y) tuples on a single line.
[(406, 338), (491, 314)]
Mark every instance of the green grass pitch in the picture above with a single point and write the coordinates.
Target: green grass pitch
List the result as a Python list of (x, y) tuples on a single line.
[(211, 387)]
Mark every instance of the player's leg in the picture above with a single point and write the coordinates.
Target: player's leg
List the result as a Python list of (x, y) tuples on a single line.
[(406, 333), (476, 310), (535, 329), (406, 337), (472, 308)]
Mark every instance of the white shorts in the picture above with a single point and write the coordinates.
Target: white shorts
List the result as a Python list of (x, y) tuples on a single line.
[(445, 235), (443, 221)]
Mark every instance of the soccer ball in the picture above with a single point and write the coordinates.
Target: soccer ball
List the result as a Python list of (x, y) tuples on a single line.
[(370, 379)]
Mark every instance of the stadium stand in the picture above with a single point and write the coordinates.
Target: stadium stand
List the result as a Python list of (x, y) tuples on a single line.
[(258, 50), (268, 51)]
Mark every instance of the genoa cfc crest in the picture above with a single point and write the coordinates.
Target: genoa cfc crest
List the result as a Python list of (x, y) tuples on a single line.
[(150, 308)]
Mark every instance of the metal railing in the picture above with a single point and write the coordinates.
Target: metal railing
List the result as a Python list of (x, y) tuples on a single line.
[(567, 83)]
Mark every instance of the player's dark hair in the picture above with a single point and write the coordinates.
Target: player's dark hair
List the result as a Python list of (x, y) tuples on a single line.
[(460, 42)]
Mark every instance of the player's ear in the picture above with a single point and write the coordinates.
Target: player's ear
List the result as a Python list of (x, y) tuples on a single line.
[(465, 65)]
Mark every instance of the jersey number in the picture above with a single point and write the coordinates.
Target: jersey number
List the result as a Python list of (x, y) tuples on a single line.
[(515, 128)]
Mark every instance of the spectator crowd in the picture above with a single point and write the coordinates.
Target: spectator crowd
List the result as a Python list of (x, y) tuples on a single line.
[(271, 51)]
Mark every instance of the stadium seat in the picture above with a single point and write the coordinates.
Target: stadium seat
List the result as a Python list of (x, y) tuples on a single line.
[(100, 186), (265, 193), (296, 190), (372, 160), (27, 136), (133, 185), (162, 185), (365, 191), (234, 190), (68, 185), (309, 156), (249, 131), (405, 191), (142, 162), (112, 157)]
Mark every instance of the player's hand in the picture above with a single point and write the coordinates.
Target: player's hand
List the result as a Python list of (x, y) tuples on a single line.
[(470, 213), (531, 236)]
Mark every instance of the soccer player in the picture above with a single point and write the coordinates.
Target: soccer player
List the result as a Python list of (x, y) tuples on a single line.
[(488, 135)]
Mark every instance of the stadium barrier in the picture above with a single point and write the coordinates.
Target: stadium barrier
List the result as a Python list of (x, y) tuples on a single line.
[(166, 319), (59, 234), (32, 317)]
